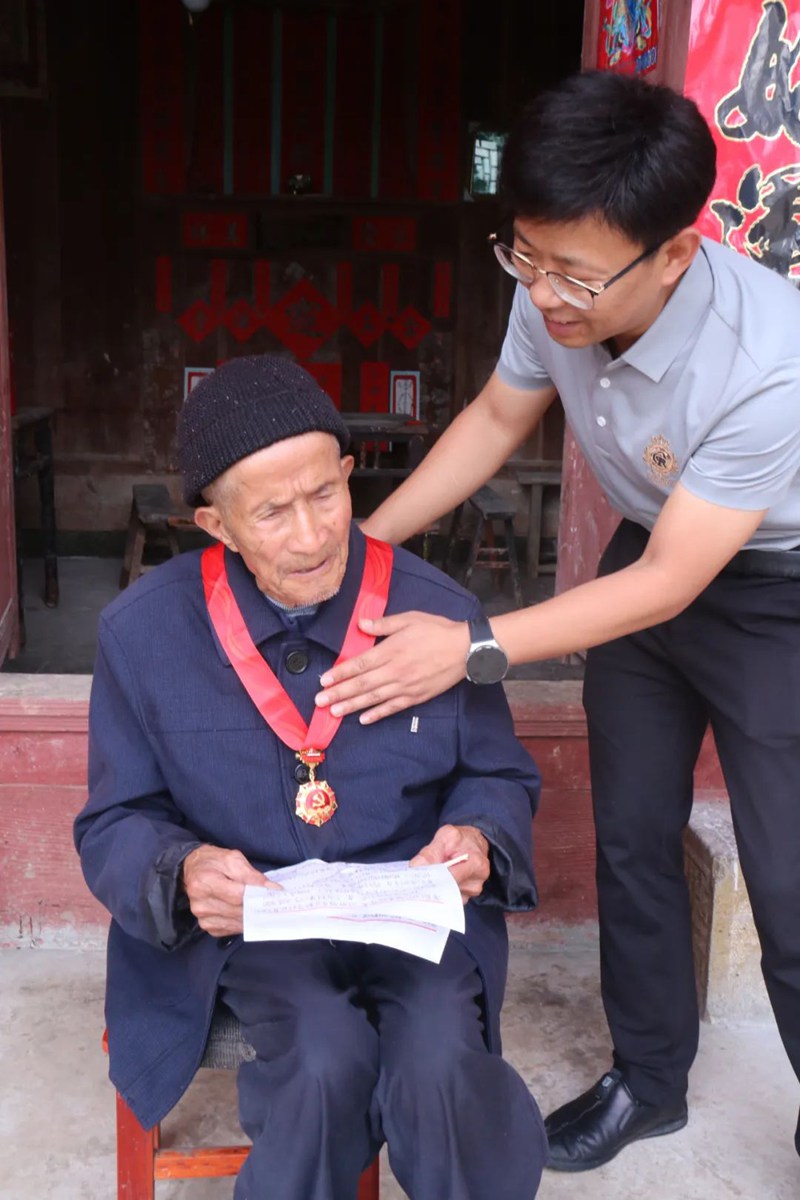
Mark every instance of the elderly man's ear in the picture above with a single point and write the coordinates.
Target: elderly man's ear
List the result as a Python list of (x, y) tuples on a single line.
[(211, 522)]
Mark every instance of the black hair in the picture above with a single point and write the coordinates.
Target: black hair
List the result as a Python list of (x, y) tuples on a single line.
[(639, 156)]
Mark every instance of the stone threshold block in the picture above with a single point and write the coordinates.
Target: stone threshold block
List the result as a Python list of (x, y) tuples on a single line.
[(727, 954)]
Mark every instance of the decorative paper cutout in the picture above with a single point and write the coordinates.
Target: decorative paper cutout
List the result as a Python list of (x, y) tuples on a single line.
[(404, 394)]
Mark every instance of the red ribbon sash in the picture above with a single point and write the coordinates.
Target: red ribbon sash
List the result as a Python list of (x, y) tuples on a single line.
[(256, 675)]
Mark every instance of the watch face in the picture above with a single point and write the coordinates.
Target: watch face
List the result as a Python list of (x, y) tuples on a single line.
[(487, 664)]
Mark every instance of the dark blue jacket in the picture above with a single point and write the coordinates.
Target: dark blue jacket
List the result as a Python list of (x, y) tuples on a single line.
[(179, 755)]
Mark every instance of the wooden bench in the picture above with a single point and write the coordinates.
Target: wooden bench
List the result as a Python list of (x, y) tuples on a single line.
[(534, 477), (484, 552), (154, 516)]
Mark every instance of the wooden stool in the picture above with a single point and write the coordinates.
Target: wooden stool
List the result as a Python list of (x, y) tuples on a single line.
[(491, 508), (536, 476), (141, 1160), (153, 514)]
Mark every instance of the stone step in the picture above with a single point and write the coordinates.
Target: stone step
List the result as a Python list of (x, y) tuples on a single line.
[(727, 953)]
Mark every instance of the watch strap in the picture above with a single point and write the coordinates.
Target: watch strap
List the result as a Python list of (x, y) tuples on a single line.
[(480, 630)]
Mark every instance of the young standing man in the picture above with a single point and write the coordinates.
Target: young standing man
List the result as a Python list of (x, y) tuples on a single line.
[(678, 364)]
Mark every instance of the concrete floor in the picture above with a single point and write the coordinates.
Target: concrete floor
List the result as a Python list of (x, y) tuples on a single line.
[(61, 641), (56, 1121)]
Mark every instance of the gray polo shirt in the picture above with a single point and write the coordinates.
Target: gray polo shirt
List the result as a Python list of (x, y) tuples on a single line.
[(709, 395)]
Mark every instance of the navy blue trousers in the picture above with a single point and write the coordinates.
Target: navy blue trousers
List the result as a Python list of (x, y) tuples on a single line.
[(732, 659), (357, 1045)]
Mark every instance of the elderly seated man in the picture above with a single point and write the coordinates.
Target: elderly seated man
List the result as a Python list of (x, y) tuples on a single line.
[(199, 785)]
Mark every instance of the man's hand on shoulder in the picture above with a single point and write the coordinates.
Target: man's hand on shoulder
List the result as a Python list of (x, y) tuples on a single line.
[(214, 879), (421, 656), (450, 841)]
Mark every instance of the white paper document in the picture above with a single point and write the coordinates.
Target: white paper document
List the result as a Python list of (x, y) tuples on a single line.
[(392, 904)]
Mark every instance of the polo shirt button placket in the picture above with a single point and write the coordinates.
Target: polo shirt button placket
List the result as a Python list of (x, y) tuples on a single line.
[(605, 383)]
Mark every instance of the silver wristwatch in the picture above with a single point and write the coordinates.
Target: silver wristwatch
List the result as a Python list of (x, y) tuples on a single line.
[(487, 661)]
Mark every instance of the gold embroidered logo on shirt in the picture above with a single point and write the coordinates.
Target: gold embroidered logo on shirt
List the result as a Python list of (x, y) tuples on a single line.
[(662, 465)]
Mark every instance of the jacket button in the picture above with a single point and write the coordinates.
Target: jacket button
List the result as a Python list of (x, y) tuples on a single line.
[(296, 662), (301, 773)]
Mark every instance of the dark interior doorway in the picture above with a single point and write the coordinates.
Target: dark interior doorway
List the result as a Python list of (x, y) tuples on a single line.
[(260, 177)]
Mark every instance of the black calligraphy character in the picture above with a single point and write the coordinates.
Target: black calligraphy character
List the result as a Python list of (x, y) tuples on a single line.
[(768, 213), (764, 103), (774, 237), (732, 215)]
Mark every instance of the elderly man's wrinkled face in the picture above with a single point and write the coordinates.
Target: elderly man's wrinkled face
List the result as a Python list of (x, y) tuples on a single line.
[(286, 509)]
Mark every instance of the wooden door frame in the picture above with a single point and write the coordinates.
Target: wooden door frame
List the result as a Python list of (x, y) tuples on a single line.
[(9, 614)]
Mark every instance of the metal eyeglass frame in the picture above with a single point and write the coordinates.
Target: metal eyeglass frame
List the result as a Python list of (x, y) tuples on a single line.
[(594, 292)]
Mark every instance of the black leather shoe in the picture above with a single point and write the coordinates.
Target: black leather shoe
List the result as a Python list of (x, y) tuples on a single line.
[(593, 1129)]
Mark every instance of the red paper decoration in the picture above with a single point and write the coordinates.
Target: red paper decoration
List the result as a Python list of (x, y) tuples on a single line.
[(302, 319), (392, 235), (214, 230)]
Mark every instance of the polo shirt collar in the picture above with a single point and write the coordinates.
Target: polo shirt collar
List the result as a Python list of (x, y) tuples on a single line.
[(656, 350), (327, 626)]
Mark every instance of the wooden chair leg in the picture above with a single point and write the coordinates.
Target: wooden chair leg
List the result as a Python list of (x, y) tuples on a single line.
[(137, 553), (513, 561), (172, 540), (136, 1149), (43, 437), (21, 635), (133, 525), (452, 539), (370, 1183), (534, 529), (481, 530)]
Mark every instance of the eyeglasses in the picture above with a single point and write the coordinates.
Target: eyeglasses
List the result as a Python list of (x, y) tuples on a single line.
[(571, 291)]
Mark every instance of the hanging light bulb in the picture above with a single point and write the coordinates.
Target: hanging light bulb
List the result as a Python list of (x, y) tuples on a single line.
[(196, 6)]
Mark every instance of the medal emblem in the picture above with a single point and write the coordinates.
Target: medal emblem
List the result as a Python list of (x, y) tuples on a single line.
[(662, 465), (315, 802)]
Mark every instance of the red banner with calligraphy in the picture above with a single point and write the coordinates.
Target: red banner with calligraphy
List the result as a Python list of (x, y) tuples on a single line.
[(628, 36), (743, 71)]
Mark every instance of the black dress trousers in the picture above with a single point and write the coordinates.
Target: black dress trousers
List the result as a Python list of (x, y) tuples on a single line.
[(732, 659)]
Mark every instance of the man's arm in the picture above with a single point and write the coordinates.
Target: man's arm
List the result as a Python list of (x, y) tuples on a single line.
[(691, 542), (488, 805), (131, 835), (470, 451), (422, 655)]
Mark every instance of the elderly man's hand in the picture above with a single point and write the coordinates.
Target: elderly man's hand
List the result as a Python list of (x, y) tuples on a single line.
[(214, 880), (422, 655), (449, 842)]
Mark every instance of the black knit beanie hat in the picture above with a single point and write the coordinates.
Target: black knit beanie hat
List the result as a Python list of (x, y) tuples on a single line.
[(247, 404)]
